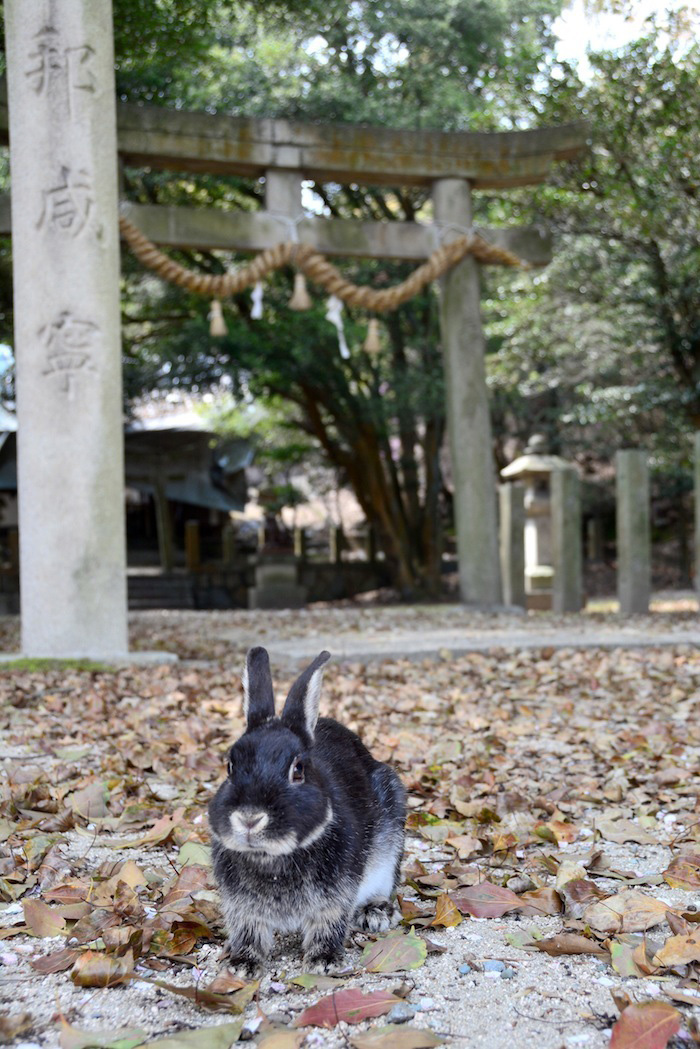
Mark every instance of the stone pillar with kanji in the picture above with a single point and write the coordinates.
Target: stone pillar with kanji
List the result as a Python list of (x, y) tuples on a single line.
[(61, 96)]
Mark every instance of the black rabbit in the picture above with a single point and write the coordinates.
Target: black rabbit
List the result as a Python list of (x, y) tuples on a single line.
[(307, 830)]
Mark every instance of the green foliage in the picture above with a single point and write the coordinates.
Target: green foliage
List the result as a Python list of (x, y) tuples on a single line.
[(602, 350)]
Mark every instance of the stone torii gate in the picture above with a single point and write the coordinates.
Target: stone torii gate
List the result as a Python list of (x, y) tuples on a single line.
[(64, 221)]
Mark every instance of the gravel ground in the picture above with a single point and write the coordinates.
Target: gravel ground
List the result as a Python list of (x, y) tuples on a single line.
[(562, 1001)]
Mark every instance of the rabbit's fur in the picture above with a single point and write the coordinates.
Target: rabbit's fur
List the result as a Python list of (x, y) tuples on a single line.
[(307, 830)]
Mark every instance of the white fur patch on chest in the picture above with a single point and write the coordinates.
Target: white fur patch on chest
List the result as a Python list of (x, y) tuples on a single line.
[(378, 879)]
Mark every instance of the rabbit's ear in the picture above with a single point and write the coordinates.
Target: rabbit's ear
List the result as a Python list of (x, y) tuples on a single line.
[(301, 707), (258, 696)]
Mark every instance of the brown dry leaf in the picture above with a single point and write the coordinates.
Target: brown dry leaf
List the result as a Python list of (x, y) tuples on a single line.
[(285, 1039), (207, 999), (628, 911), (96, 969), (446, 914), (569, 943), (679, 950), (43, 920), (57, 962), (647, 1026), (621, 831), (541, 901), (485, 900), (683, 872), (393, 1037), (11, 1026), (119, 1038), (224, 983), (466, 845)]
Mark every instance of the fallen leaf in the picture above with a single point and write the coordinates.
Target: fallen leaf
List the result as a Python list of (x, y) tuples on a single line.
[(95, 969), (679, 950), (350, 1005), (42, 920), (394, 952), (465, 844), (57, 962), (621, 831), (117, 1038), (281, 1040), (393, 1037), (683, 872), (316, 981), (91, 801), (194, 852), (541, 901), (485, 900), (446, 914), (622, 958), (223, 1036), (627, 911), (207, 999), (569, 943), (647, 1026), (11, 1026)]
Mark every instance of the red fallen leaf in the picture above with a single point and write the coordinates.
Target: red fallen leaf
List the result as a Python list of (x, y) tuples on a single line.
[(486, 900), (647, 1026), (350, 1006), (56, 962)]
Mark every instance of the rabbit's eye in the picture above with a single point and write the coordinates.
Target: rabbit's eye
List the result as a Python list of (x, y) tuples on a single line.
[(296, 771)]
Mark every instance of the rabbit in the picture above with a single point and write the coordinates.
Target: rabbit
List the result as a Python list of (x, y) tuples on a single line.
[(307, 829)]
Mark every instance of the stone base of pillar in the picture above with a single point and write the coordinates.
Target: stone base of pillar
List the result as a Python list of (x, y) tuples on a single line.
[(126, 659), (276, 584)]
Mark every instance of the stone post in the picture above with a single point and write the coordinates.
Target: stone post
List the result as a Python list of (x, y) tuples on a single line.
[(567, 587), (228, 546), (697, 513), (193, 557), (60, 72), (512, 534), (300, 544), (468, 417), (633, 532), (336, 543)]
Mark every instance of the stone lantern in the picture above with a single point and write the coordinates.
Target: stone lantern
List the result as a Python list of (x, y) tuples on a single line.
[(534, 469)]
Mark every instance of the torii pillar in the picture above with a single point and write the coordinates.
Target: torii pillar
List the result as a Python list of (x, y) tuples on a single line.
[(467, 409), (63, 161)]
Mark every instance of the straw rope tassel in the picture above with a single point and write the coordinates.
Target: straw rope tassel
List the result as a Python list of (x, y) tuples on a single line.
[(300, 300), (217, 324), (372, 343)]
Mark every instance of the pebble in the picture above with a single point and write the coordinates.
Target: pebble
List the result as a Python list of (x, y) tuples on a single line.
[(9, 958), (400, 1013), (493, 965), (508, 974), (425, 1004), (464, 969)]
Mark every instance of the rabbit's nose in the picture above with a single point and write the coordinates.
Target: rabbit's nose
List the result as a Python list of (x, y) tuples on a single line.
[(253, 820)]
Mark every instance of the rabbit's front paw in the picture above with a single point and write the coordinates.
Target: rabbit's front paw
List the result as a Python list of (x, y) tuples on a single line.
[(328, 961), (245, 963), (377, 916)]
